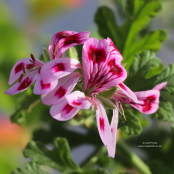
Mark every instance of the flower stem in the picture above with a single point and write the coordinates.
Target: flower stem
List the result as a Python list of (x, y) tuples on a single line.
[(92, 159), (132, 158)]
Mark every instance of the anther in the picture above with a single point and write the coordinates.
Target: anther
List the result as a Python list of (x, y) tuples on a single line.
[(29, 66), (26, 81), (39, 69), (31, 55), (23, 68), (20, 78)]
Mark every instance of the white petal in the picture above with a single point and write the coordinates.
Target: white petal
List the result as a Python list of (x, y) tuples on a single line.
[(19, 87), (58, 68), (78, 100), (114, 123), (103, 124), (17, 70), (62, 111), (41, 88), (65, 86), (127, 92)]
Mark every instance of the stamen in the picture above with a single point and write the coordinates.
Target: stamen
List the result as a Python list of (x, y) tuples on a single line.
[(23, 68), (26, 81), (39, 69), (20, 78), (32, 57), (122, 113), (29, 66)]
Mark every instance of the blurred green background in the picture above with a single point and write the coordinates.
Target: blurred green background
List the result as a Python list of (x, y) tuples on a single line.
[(26, 26)]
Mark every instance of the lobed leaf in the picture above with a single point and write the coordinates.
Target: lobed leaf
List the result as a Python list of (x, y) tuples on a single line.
[(164, 111), (31, 168), (131, 125), (127, 37), (24, 106), (59, 158)]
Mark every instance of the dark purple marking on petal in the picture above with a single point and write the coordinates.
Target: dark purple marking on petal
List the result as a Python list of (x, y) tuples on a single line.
[(76, 103), (58, 67), (68, 108), (56, 45), (19, 68), (97, 55), (148, 103), (122, 86), (44, 86), (72, 39), (115, 69), (112, 44), (60, 92), (112, 130), (62, 35), (23, 85), (102, 124)]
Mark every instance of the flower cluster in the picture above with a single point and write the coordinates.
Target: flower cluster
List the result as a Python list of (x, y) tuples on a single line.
[(100, 71)]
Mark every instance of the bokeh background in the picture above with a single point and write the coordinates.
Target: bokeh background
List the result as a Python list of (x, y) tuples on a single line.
[(26, 26)]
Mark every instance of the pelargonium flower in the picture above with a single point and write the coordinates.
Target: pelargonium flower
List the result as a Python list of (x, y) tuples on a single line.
[(102, 70), (46, 75), (27, 70), (64, 40), (148, 103)]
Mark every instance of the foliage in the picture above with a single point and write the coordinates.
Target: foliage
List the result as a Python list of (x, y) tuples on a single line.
[(138, 47)]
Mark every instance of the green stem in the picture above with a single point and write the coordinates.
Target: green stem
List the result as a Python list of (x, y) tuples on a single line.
[(92, 159), (132, 158)]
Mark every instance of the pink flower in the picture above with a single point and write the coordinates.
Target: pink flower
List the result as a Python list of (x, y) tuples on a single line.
[(102, 70), (27, 70), (46, 75), (148, 101), (64, 40)]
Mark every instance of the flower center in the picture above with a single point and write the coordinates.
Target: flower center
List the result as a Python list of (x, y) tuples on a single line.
[(34, 65)]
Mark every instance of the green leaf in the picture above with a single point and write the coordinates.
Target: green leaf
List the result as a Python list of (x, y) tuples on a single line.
[(107, 103), (158, 167), (46, 55), (24, 106), (141, 68), (73, 53), (105, 20), (31, 168), (127, 37), (94, 171), (167, 75), (59, 158), (131, 125), (142, 64), (164, 111), (108, 93)]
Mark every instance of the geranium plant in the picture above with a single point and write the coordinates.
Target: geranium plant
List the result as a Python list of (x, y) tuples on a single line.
[(118, 77)]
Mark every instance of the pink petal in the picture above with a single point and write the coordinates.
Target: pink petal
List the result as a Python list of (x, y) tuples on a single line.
[(114, 53), (17, 70), (160, 86), (78, 100), (114, 123), (58, 68), (103, 124), (87, 59), (127, 92), (41, 88), (148, 101), (62, 111), (65, 86), (19, 87), (62, 41), (112, 78)]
